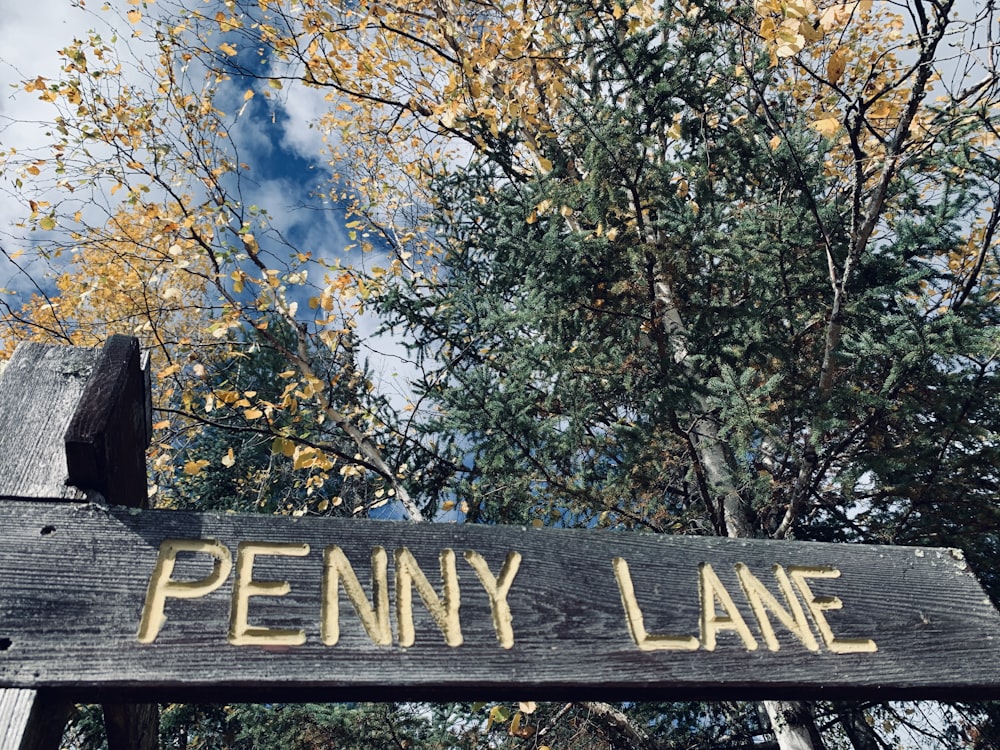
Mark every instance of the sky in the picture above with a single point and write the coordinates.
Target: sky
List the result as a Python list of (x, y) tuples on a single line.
[(273, 134)]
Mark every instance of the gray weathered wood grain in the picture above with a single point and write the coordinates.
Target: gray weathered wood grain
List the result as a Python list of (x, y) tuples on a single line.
[(30, 721), (39, 391), (74, 424), (73, 581), (107, 437)]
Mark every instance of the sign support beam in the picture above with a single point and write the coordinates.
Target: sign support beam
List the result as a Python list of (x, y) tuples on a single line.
[(74, 425)]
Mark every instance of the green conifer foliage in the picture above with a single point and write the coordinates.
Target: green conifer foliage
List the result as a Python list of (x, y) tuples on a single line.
[(600, 327)]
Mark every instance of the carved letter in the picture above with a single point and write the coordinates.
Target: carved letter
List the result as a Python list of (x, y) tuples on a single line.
[(761, 600), (712, 591), (374, 617), (240, 632), (818, 604), (497, 591), (162, 586), (445, 613), (633, 617)]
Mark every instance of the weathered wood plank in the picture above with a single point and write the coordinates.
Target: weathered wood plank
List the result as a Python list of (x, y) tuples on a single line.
[(39, 392), (74, 579), (30, 721)]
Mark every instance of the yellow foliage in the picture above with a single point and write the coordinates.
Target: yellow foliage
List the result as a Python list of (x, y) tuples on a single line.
[(411, 89)]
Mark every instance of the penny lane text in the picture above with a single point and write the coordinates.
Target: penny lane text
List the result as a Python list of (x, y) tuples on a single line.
[(800, 611)]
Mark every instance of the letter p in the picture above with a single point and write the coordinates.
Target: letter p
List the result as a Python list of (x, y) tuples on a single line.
[(162, 586)]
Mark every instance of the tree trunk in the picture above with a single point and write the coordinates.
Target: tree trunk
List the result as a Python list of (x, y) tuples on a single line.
[(793, 725), (791, 721), (858, 730)]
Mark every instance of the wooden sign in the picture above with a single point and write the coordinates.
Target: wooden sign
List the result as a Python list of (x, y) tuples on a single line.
[(103, 603)]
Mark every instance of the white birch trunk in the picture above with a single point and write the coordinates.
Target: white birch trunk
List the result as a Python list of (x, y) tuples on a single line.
[(792, 725)]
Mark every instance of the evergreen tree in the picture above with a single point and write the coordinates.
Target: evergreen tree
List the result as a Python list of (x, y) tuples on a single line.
[(705, 332)]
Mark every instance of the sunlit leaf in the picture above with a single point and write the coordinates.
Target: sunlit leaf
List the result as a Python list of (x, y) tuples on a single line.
[(826, 126)]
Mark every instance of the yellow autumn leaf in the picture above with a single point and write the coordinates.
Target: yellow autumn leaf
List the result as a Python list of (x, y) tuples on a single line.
[(826, 126), (837, 16), (789, 41), (248, 95), (810, 32), (162, 424), (253, 413), (883, 110), (798, 8), (837, 65), (229, 459), (527, 707), (193, 468), (134, 16), (497, 714), (169, 370), (674, 131), (283, 446), (305, 458), (228, 48), (515, 724)]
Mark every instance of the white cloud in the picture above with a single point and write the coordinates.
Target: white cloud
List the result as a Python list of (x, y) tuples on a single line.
[(27, 49), (302, 107), (31, 36)]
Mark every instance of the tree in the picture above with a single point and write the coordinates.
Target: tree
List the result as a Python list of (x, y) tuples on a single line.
[(729, 267), (638, 303)]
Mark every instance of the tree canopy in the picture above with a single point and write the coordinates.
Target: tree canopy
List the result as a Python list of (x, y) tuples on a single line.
[(689, 267)]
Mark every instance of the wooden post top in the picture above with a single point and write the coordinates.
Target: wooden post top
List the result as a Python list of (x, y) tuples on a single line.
[(75, 423)]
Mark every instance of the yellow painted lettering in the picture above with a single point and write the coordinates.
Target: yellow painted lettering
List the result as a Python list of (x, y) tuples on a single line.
[(497, 589), (162, 586), (633, 617), (240, 631), (374, 615), (443, 609), (712, 592), (761, 601), (819, 604)]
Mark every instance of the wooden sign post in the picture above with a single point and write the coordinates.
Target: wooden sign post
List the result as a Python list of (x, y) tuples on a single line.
[(74, 426), (110, 603)]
